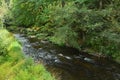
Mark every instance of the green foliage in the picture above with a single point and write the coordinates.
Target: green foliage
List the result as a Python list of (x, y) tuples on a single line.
[(65, 36), (5, 13), (90, 25), (99, 28), (27, 12), (14, 66)]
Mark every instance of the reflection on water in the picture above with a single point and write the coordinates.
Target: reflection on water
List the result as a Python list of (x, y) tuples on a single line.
[(70, 63)]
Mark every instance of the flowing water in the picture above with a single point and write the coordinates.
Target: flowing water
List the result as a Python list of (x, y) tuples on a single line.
[(68, 62)]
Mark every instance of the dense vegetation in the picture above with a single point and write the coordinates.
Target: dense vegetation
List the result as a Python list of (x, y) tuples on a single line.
[(89, 25)]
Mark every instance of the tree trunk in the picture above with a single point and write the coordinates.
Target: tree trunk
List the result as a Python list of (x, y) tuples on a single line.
[(63, 3)]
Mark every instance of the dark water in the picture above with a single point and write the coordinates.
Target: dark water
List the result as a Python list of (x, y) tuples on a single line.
[(68, 62)]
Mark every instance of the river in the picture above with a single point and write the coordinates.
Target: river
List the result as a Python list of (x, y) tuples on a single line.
[(68, 63)]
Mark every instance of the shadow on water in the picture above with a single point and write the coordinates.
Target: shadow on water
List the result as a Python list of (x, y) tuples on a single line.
[(68, 62)]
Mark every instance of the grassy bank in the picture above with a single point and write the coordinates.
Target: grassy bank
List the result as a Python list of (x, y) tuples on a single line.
[(14, 66)]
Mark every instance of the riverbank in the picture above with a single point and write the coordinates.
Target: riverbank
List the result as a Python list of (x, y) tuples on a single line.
[(35, 32), (14, 65)]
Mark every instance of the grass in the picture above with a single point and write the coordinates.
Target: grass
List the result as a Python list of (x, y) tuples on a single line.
[(14, 66)]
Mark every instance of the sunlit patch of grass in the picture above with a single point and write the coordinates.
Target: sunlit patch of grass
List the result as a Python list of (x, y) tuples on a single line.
[(13, 65)]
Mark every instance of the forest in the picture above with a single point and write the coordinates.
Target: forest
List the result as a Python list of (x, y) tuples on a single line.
[(59, 39)]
